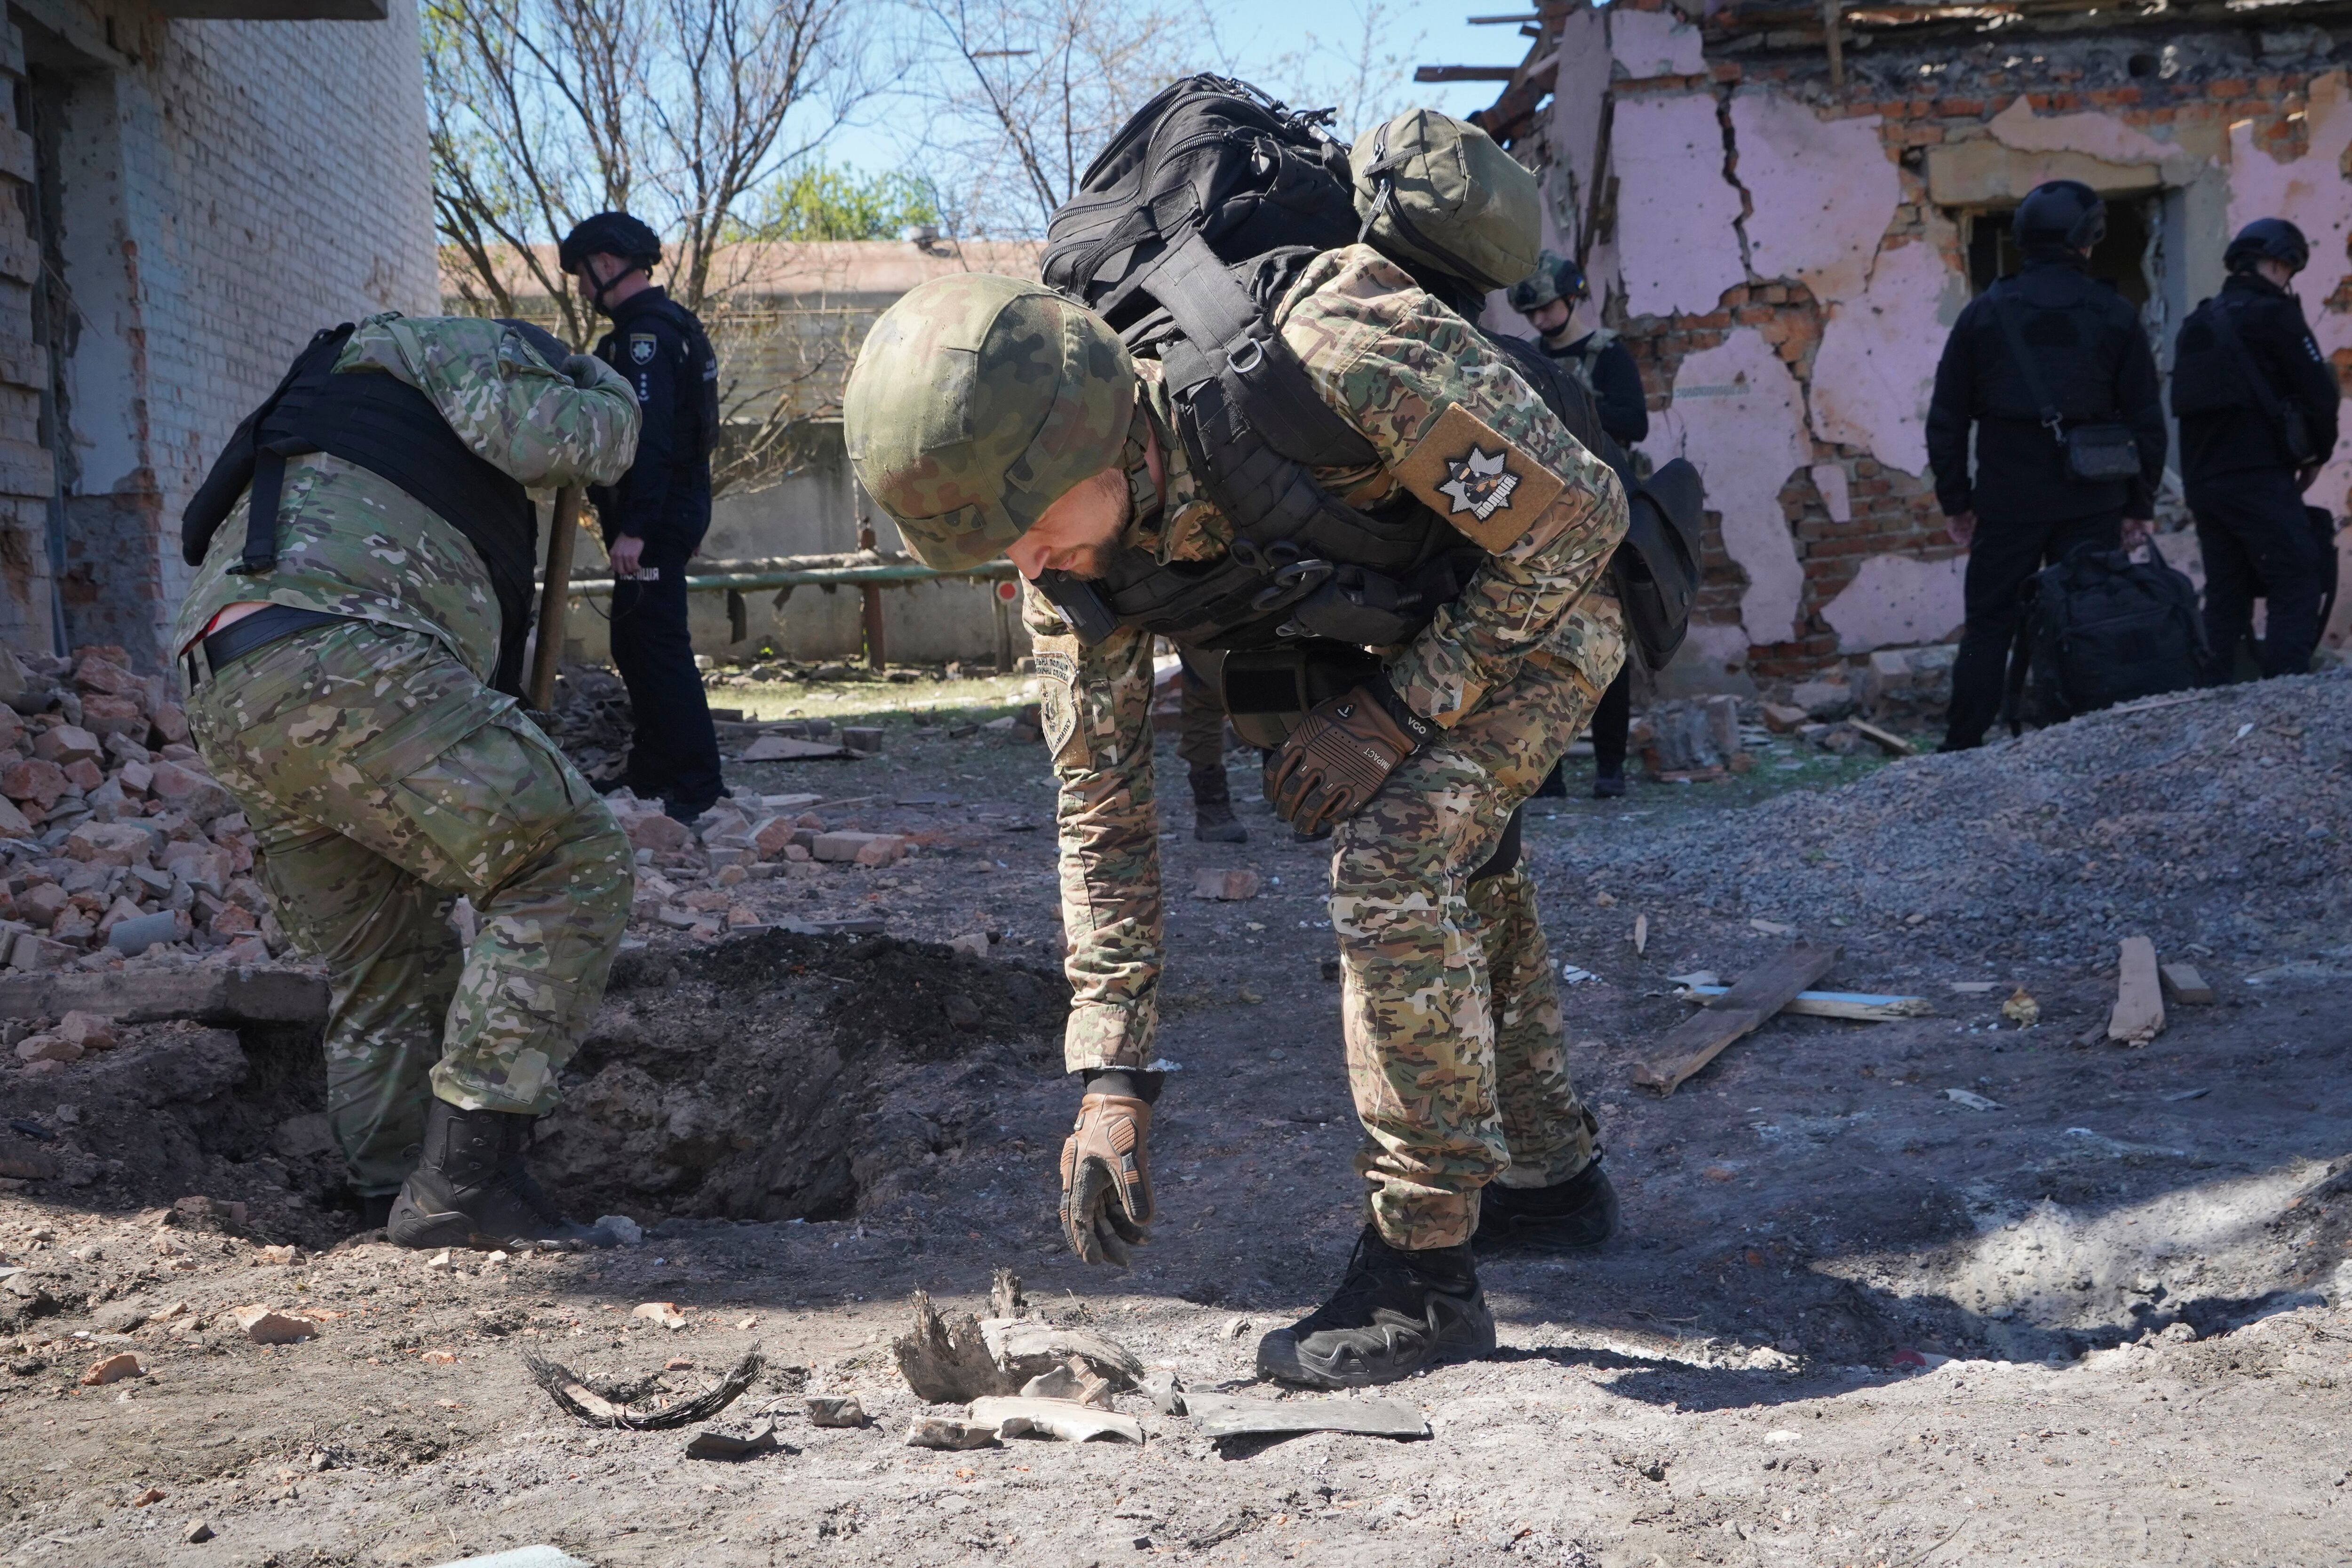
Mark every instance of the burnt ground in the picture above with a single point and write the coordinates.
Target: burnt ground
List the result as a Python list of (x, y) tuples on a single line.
[(2131, 1258)]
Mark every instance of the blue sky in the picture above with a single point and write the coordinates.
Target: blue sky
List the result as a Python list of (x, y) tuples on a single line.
[(1259, 35)]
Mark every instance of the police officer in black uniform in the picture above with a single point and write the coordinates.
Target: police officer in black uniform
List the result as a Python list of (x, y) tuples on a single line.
[(2257, 404), (1553, 299), (653, 520), (2025, 508)]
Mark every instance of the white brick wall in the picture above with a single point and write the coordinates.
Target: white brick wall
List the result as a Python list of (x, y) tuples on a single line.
[(268, 178)]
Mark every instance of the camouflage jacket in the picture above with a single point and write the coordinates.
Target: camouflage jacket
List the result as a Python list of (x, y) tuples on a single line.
[(1453, 424), (352, 544)]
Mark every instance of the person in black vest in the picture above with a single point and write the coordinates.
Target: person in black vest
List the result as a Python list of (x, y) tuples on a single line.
[(2091, 367), (653, 521), (2256, 401), (1556, 301)]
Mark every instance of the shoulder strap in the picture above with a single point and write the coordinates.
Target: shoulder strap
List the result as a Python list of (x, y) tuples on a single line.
[(2035, 388), (2225, 328), (1227, 337)]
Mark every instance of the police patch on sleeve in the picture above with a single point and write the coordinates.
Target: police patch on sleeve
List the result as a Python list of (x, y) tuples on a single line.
[(1057, 710), (641, 347), (1474, 476)]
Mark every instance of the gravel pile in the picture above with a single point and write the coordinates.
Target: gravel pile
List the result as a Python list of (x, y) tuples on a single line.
[(2216, 819)]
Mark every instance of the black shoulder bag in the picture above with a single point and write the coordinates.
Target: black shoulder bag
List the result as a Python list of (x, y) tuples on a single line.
[(2285, 419), (2095, 454)]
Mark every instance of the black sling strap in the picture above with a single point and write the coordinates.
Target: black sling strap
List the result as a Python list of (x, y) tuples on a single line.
[(2046, 407), (2286, 424)]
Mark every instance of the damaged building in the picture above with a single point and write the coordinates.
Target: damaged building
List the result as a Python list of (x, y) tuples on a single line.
[(197, 185), (1783, 215)]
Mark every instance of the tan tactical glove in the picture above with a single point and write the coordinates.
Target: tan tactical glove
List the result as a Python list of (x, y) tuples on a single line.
[(1341, 754), (1106, 1178)]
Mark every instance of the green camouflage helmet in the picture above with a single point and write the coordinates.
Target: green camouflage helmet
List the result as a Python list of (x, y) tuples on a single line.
[(1437, 190), (977, 401), (1555, 278)]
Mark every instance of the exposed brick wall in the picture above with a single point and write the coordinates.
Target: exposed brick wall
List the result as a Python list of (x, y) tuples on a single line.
[(1929, 95), (267, 178)]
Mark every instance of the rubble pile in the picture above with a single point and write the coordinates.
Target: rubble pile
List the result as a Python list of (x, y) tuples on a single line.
[(725, 872), (117, 841), (593, 720)]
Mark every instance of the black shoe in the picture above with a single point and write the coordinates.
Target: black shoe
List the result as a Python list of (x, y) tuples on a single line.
[(375, 1211), (471, 1189), (1576, 1213), (1213, 808), (1555, 785), (1394, 1314), (1607, 786)]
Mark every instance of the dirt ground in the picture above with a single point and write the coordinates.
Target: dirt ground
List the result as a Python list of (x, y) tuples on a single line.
[(2100, 1318)]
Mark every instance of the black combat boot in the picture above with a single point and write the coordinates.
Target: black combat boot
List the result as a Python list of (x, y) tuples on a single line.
[(1395, 1313), (375, 1211), (1213, 808), (1608, 783), (1555, 785), (471, 1189), (1576, 1213)]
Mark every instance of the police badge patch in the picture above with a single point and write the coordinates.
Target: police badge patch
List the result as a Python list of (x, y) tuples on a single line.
[(1477, 478), (1058, 712), (641, 347)]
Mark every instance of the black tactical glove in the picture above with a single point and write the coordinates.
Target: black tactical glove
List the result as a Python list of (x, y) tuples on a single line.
[(1341, 754)]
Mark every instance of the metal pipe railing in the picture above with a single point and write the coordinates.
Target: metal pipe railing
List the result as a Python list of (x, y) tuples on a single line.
[(750, 577)]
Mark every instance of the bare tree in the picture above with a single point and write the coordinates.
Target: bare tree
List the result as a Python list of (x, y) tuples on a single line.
[(543, 111), (1025, 92)]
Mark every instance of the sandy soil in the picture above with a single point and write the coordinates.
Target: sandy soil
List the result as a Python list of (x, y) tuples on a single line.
[(1850, 1320)]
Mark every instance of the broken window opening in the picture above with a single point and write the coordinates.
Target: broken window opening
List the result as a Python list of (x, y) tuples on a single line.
[(2119, 260)]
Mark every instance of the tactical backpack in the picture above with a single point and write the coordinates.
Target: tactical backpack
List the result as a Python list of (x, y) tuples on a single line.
[(1186, 233), (2101, 628)]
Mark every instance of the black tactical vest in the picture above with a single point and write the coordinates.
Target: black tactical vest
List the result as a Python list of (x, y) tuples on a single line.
[(394, 431)]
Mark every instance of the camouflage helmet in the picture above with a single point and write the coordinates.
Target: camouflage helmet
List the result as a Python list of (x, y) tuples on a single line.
[(979, 400), (1555, 278), (1437, 190)]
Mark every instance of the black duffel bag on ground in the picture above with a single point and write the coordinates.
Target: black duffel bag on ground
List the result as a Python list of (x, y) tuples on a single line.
[(2101, 628)]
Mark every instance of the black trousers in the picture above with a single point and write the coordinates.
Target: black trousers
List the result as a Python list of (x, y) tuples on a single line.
[(2004, 554), (674, 757), (2258, 544), (1613, 720)]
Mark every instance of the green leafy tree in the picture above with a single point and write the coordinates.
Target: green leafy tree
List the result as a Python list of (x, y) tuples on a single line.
[(822, 201)]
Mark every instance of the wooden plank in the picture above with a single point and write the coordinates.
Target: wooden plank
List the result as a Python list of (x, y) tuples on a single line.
[(2184, 985), (1221, 1415), (1887, 741), (2139, 1016), (1863, 1007), (1701, 1038), (212, 995)]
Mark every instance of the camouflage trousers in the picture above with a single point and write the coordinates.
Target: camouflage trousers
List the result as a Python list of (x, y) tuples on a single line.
[(1457, 1050), (383, 780)]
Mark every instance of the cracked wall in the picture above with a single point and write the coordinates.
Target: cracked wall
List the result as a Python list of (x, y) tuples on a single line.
[(1785, 264)]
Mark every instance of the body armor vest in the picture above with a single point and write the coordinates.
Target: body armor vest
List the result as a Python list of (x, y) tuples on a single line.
[(388, 427)]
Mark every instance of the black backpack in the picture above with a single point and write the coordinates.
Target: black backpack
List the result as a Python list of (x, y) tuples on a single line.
[(2101, 628), (1184, 235)]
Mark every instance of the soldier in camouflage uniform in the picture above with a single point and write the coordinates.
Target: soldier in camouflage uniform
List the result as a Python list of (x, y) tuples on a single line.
[(341, 696), (990, 416)]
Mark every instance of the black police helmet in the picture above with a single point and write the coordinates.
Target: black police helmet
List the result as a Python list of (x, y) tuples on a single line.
[(2061, 211), (2268, 239), (608, 234)]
